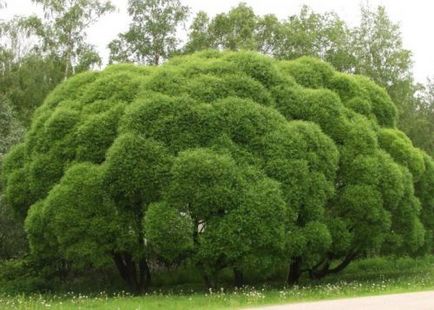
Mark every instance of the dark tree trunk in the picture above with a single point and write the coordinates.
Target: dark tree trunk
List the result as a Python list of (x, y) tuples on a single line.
[(320, 271), (348, 259), (123, 271), (136, 275), (144, 276), (325, 269), (156, 59), (209, 275), (294, 271), (63, 270), (210, 281), (238, 278)]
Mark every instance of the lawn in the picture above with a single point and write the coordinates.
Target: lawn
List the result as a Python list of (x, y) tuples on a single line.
[(366, 277)]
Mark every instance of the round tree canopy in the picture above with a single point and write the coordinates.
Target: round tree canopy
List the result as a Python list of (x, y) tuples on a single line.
[(231, 158)]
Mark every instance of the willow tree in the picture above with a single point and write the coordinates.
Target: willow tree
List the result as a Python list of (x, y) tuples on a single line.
[(232, 160)]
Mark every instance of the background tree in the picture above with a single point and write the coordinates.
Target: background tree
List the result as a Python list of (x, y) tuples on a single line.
[(269, 33), (27, 75), (378, 48), (36, 55), (313, 34), (11, 130), (233, 30), (12, 238), (63, 30), (198, 36), (152, 36), (308, 33), (13, 242), (417, 119), (26, 83)]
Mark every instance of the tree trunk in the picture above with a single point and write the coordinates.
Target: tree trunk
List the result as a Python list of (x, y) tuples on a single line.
[(136, 275), (63, 270), (238, 278), (348, 259), (294, 271), (123, 271), (210, 281), (67, 64), (144, 276), (70, 47), (319, 273), (156, 59), (325, 270)]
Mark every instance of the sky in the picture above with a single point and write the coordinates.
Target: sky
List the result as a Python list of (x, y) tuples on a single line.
[(414, 17)]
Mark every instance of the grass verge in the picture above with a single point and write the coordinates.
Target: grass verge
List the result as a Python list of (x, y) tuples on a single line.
[(367, 277)]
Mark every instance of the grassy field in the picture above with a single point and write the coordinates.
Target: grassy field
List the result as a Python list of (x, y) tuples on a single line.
[(367, 277)]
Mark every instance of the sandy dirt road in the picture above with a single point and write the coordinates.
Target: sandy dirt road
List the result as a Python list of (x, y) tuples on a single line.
[(408, 301)]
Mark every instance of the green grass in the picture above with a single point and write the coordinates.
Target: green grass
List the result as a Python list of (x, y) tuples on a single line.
[(363, 278)]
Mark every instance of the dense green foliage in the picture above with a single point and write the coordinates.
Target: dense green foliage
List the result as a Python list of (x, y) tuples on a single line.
[(229, 160)]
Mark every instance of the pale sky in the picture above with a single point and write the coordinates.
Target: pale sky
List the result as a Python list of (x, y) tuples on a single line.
[(414, 17)]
